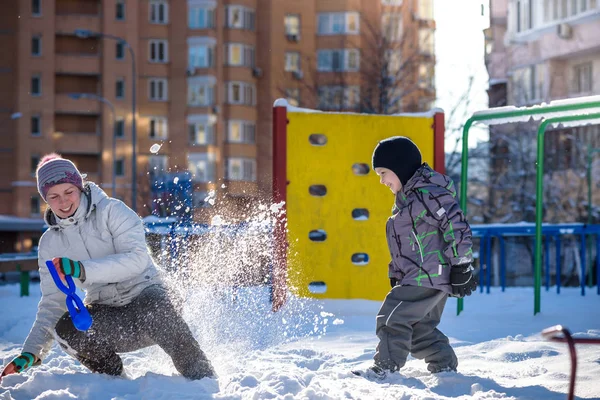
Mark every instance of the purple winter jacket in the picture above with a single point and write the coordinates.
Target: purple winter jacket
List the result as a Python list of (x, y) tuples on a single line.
[(428, 232)]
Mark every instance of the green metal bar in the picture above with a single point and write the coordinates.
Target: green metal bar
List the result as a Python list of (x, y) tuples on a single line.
[(539, 201), (24, 280), (530, 111)]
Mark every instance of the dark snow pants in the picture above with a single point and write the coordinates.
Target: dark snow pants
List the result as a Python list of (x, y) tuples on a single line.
[(407, 323), (149, 319)]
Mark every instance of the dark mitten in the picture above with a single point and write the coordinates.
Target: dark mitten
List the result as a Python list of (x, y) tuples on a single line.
[(462, 280), (393, 282)]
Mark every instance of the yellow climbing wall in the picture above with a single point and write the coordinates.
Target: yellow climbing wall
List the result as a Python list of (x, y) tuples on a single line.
[(351, 138)]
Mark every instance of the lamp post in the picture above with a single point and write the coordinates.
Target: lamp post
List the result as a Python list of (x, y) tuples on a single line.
[(77, 96), (85, 33)]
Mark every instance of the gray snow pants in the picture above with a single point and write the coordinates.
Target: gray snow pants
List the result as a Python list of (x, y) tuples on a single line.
[(407, 323), (149, 319)]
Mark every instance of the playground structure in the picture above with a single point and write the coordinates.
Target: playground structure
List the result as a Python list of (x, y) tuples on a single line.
[(567, 112), (334, 205)]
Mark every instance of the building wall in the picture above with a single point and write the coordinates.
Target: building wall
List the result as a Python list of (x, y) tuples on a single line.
[(82, 128)]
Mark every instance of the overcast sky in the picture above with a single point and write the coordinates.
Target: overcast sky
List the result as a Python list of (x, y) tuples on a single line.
[(459, 49)]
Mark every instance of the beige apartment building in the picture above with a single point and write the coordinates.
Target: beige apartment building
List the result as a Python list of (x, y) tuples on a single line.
[(538, 51), (206, 73)]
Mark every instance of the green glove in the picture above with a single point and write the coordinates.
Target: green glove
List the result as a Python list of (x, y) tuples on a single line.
[(24, 361), (71, 267)]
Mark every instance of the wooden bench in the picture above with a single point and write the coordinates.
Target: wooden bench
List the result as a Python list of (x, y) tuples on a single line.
[(22, 265)]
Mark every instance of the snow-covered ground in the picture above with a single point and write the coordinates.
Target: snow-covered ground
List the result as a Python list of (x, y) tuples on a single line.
[(307, 351)]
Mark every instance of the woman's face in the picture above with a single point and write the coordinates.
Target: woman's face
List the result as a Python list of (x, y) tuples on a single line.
[(388, 178), (64, 199)]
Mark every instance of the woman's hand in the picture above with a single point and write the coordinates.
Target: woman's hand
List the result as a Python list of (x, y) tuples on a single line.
[(65, 266), (20, 363)]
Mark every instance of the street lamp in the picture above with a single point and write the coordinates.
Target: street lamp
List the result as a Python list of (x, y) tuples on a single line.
[(78, 96), (86, 33)]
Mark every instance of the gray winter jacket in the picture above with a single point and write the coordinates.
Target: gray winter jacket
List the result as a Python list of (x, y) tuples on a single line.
[(427, 232), (108, 238)]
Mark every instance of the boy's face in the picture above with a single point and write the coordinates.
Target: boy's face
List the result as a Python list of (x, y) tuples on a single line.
[(388, 178)]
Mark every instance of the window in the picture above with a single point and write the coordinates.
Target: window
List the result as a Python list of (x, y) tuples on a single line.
[(35, 125), (120, 10), (201, 90), (35, 160), (36, 85), (238, 17), (241, 169), (583, 78), (338, 23), (391, 2), (293, 96), (338, 60), (391, 24), (120, 50), (556, 10), (201, 130), (393, 58), (292, 25), (36, 8), (241, 132), (202, 166), (240, 93), (426, 43), (425, 9), (201, 16), (158, 165), (201, 52), (120, 88), (338, 97), (158, 128), (527, 84), (35, 205), (159, 51), (237, 54), (36, 46), (119, 167), (426, 76), (159, 12), (292, 61), (120, 128), (158, 89)]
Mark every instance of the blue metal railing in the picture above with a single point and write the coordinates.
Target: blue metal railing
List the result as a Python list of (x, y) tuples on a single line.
[(500, 232)]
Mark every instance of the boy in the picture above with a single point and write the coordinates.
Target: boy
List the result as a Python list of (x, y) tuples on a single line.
[(430, 244)]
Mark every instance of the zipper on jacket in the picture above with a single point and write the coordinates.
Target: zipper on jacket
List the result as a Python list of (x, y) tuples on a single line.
[(418, 244)]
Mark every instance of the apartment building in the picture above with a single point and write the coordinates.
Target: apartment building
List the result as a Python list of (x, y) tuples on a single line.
[(206, 75), (539, 51)]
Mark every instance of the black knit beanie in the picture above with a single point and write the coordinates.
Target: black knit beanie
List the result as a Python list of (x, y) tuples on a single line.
[(398, 154)]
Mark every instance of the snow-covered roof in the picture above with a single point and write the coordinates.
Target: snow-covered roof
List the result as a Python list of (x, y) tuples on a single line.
[(11, 223)]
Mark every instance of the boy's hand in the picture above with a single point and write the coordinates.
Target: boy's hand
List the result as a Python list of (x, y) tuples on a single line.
[(462, 280)]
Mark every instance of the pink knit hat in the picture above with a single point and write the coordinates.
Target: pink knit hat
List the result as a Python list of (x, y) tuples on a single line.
[(54, 170)]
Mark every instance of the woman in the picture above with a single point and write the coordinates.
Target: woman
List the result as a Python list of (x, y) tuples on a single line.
[(100, 242)]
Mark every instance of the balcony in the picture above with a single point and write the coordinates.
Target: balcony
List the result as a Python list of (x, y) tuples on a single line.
[(64, 104), (68, 23), (77, 64), (78, 143)]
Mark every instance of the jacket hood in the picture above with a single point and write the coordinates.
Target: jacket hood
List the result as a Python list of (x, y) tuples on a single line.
[(91, 196)]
